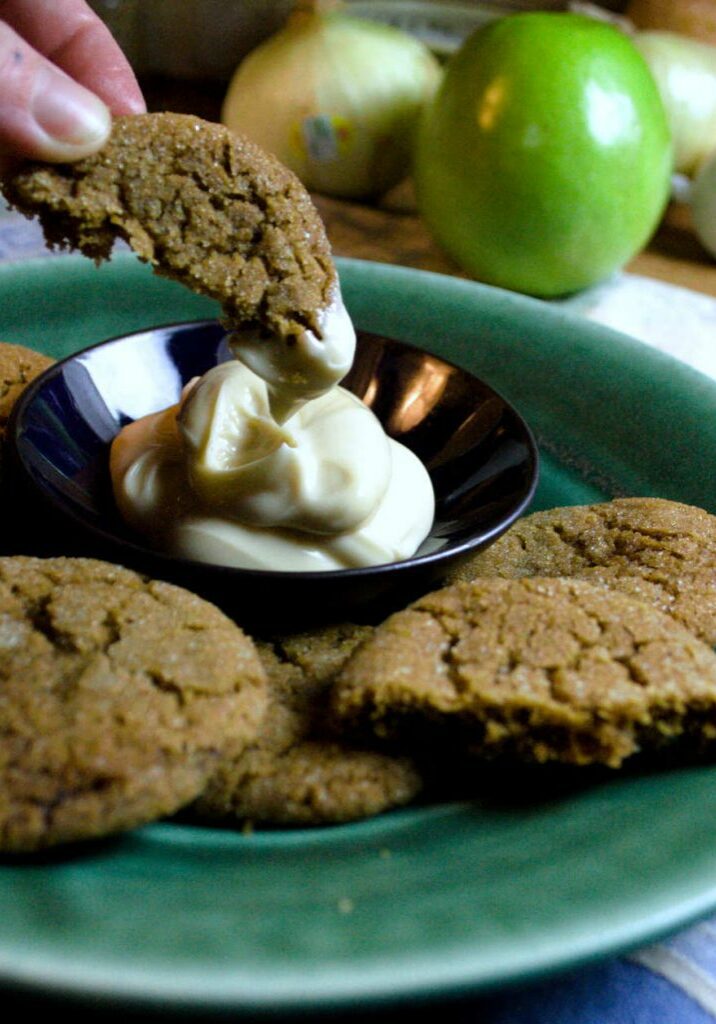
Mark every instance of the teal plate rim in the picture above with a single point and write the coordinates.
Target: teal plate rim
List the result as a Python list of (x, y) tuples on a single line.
[(424, 902)]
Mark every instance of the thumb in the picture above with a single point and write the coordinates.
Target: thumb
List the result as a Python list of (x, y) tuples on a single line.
[(44, 114)]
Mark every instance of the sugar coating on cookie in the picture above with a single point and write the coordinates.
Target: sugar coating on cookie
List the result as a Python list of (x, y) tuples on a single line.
[(202, 205), (536, 669), (660, 551), (118, 695), (18, 367), (294, 773)]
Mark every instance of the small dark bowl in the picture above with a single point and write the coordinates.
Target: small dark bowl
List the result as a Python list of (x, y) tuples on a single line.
[(480, 454)]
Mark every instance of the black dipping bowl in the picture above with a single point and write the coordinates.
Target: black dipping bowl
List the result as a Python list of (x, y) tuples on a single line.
[(480, 454)]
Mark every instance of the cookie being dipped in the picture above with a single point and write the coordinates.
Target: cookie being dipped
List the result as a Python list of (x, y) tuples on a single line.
[(295, 773), (536, 670), (201, 205), (659, 551), (118, 696)]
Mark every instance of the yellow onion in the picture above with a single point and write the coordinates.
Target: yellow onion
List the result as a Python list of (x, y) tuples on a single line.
[(335, 98), (702, 199), (685, 72)]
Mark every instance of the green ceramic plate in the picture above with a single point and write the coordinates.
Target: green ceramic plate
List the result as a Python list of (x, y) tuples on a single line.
[(426, 901)]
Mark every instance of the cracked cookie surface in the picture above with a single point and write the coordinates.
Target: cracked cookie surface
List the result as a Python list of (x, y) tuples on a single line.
[(295, 774), (118, 695), (202, 205), (535, 669), (659, 551)]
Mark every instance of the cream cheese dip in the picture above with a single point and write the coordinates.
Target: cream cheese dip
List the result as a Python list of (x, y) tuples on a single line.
[(266, 463)]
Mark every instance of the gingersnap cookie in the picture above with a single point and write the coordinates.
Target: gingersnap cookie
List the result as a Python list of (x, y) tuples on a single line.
[(118, 696), (659, 551), (537, 669), (202, 205), (18, 367), (294, 773)]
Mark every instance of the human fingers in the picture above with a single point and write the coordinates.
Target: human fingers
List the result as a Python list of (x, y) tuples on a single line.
[(44, 114), (74, 38)]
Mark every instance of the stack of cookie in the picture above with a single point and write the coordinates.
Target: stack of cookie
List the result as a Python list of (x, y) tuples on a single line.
[(123, 700)]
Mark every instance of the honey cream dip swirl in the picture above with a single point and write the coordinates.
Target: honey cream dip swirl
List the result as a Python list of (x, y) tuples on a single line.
[(266, 463)]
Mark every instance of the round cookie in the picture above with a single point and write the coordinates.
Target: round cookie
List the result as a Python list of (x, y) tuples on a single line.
[(118, 695), (538, 669), (18, 367), (202, 205), (294, 774), (659, 551)]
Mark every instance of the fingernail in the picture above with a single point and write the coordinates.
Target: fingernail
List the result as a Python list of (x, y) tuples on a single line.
[(67, 112)]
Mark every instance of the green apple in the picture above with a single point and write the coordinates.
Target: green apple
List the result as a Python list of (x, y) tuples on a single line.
[(544, 162)]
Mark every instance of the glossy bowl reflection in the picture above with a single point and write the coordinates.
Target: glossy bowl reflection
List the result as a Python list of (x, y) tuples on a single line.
[(480, 455)]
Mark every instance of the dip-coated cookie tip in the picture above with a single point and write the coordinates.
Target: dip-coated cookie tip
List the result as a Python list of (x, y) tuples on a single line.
[(534, 669), (118, 695), (202, 205)]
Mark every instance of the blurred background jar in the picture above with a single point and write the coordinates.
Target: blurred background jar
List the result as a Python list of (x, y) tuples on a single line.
[(205, 39)]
